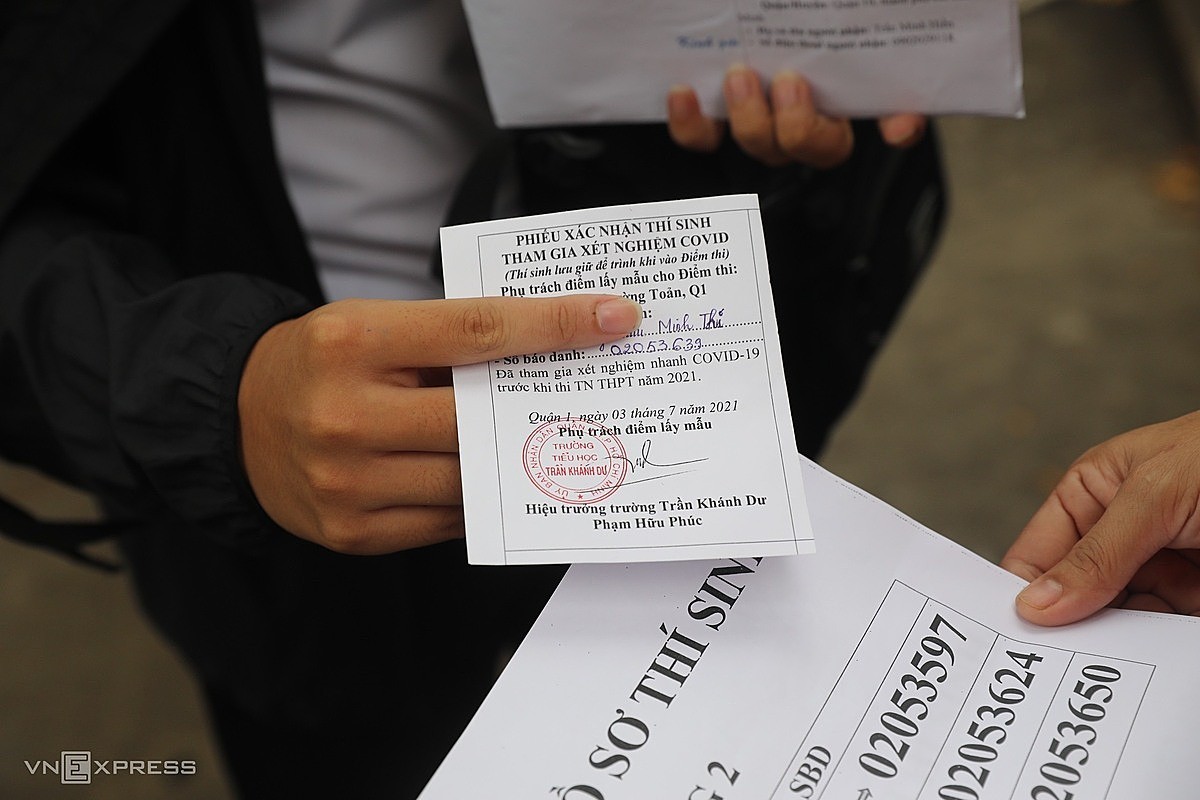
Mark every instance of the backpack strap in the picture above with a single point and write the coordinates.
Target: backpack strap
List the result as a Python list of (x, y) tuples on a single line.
[(64, 538)]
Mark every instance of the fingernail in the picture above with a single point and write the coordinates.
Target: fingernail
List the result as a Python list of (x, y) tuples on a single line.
[(679, 100), (899, 132), (618, 315), (785, 90), (740, 82), (1041, 594)]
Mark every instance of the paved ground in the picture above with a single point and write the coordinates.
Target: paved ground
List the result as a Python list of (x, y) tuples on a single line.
[(1064, 307)]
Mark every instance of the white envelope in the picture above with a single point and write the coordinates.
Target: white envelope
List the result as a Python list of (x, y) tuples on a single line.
[(549, 62)]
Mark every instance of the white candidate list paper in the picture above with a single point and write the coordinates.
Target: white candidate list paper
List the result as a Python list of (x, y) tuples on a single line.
[(890, 665), (675, 442), (552, 62)]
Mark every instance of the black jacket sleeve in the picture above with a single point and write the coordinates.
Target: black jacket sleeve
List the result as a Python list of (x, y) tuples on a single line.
[(122, 377), (142, 256)]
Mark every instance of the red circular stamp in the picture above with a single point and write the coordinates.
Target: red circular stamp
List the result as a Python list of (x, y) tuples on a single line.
[(574, 461)]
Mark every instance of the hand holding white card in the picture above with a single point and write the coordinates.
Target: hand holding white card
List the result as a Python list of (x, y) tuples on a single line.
[(673, 443)]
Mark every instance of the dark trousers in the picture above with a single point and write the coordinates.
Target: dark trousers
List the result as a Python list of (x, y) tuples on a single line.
[(330, 675)]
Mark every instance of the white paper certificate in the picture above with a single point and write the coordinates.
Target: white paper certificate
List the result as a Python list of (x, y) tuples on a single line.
[(552, 62), (675, 442), (890, 665)]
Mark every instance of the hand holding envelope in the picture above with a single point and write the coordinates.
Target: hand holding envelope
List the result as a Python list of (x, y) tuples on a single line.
[(777, 126), (551, 63)]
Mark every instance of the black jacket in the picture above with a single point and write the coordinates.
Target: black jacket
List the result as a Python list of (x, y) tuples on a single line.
[(146, 241)]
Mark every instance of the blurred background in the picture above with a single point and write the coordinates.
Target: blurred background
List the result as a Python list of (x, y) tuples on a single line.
[(1063, 308)]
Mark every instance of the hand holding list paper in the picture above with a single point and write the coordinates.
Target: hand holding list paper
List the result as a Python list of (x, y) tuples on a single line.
[(675, 442), (890, 665), (548, 62)]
